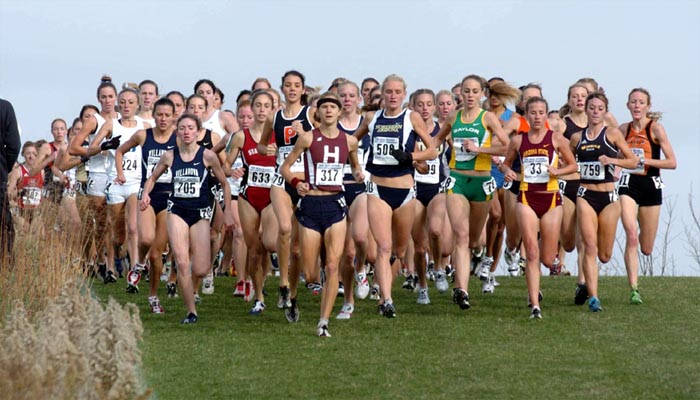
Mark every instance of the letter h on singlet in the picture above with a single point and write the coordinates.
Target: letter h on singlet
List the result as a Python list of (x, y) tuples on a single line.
[(327, 154)]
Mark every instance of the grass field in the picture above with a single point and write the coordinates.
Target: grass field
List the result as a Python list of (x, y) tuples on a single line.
[(437, 351)]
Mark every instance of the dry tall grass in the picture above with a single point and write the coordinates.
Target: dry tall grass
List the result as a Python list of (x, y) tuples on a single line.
[(56, 341)]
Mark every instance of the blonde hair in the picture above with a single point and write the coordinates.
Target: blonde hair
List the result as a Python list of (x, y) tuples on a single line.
[(652, 115), (394, 78)]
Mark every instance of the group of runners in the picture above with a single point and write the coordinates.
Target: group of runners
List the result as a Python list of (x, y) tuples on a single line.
[(360, 181)]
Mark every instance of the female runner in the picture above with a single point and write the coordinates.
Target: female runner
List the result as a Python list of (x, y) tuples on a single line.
[(472, 188), (189, 207), (539, 210), (640, 188), (321, 211), (393, 132), (25, 189), (597, 208)]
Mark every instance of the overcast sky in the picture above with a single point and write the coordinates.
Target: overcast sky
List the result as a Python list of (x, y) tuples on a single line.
[(52, 53)]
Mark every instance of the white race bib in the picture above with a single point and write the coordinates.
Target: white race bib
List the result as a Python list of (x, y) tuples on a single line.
[(31, 197), (535, 169), (260, 176), (489, 186), (329, 174), (460, 154), (347, 169), (624, 180), (592, 170), (283, 153), (186, 187), (165, 177), (640, 169), (382, 148), (433, 174)]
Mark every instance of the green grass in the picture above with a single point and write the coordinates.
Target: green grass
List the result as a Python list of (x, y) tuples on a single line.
[(437, 351)]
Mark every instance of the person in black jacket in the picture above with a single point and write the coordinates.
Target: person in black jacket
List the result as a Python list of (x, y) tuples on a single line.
[(9, 150)]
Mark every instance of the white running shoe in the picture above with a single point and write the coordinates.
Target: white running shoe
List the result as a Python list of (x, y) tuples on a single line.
[(485, 268), (441, 283), (156, 308), (487, 286), (374, 293), (362, 286), (346, 311), (208, 284), (423, 296)]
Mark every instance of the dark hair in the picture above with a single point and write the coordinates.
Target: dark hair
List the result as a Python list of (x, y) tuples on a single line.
[(29, 143), (164, 101), (192, 117), (149, 82), (202, 81), (221, 94), (370, 79), (536, 99), (176, 93), (303, 98), (87, 107), (597, 95), (196, 96), (244, 92), (482, 81), (419, 92), (260, 92), (106, 82)]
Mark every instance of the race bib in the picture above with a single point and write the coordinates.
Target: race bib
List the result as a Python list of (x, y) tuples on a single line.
[(489, 186), (186, 187), (278, 180), (535, 169), (658, 183), (329, 174), (460, 153), (260, 176), (382, 148), (592, 170), (562, 185), (31, 197), (165, 177), (433, 174), (282, 154), (640, 169), (447, 184), (347, 170), (507, 185), (624, 180)]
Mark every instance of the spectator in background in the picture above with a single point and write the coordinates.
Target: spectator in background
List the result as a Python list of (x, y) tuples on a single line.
[(9, 150)]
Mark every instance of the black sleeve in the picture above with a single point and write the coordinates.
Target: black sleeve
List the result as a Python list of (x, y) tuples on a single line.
[(10, 132)]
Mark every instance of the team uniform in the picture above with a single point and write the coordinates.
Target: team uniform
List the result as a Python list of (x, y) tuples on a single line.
[(151, 151), (324, 162), (190, 196), (97, 166), (217, 191), (53, 186), (354, 189), (495, 172), (569, 188), (259, 173), (473, 188), (235, 183), (386, 135), (285, 138), (131, 165), (71, 188), (539, 190), (214, 124), (428, 185), (643, 184), (29, 189), (593, 171)]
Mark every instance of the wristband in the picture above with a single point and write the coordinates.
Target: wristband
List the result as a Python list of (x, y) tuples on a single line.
[(295, 182)]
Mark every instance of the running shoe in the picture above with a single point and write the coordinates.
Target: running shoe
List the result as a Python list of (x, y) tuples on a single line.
[(102, 271), (110, 277), (315, 288), (156, 308), (449, 271), (581, 294), (594, 305), (488, 285), (239, 289), (461, 298), (564, 271), (380, 308), (476, 259), (171, 288), (362, 286), (208, 283), (346, 311), (322, 330), (274, 261), (513, 270), (510, 256), (197, 299), (341, 289), (522, 262), (409, 283), (191, 318), (166, 272), (539, 297), (441, 281), (258, 308), (635, 297), (423, 296), (389, 310), (431, 270), (292, 313), (283, 301), (536, 313), (374, 293), (484, 269), (556, 267)]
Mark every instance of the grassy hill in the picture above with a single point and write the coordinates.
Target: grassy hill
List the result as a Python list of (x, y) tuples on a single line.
[(437, 351)]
